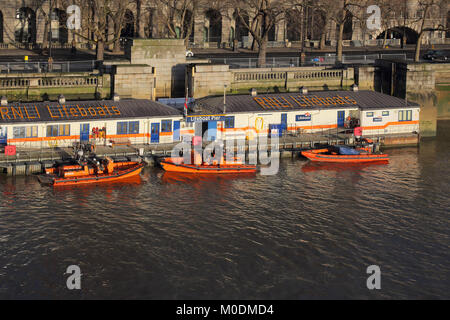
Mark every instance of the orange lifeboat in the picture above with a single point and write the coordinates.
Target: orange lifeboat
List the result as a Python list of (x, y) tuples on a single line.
[(87, 173), (350, 155), (206, 167)]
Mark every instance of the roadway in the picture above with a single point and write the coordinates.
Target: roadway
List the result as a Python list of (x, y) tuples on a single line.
[(310, 53), (17, 55)]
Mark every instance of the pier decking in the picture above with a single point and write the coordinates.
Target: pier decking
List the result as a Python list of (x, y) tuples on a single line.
[(31, 161)]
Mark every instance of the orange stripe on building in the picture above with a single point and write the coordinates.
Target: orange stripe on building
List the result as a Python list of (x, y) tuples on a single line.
[(394, 123), (43, 139)]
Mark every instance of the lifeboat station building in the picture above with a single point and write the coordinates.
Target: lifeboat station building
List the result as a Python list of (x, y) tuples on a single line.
[(303, 112), (61, 124)]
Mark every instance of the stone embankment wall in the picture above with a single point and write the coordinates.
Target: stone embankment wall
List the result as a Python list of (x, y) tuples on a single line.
[(48, 86), (209, 79)]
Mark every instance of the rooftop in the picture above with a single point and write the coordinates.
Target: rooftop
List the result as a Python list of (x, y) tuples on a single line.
[(83, 110), (363, 99)]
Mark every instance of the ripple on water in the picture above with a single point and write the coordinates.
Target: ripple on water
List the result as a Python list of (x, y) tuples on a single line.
[(308, 232)]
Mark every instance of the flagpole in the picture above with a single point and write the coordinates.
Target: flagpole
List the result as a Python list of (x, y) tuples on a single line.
[(186, 102)]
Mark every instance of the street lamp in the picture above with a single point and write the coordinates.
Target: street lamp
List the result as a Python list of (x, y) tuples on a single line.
[(225, 98)]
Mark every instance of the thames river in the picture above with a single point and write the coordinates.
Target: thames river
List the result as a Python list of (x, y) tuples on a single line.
[(309, 232)]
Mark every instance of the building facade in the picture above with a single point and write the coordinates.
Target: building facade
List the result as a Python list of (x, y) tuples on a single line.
[(24, 23), (245, 117)]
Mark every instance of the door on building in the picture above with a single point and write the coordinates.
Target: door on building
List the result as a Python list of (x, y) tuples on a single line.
[(154, 136), (340, 118), (212, 130), (176, 131), (84, 132), (284, 122), (3, 135)]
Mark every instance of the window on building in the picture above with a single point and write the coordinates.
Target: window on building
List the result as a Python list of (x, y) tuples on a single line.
[(58, 130), (369, 114), (385, 113), (133, 127), (405, 115), (122, 127), (408, 115), (25, 132), (229, 122), (64, 130), (166, 126), (19, 132)]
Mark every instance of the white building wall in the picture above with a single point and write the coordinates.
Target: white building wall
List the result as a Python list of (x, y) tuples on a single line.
[(388, 123)]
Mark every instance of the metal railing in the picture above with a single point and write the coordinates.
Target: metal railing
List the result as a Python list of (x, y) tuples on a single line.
[(40, 67), (320, 60)]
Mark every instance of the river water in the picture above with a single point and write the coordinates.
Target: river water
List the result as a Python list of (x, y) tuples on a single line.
[(310, 231)]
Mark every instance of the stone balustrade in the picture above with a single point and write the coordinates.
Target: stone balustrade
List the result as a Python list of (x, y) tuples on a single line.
[(210, 79), (38, 86)]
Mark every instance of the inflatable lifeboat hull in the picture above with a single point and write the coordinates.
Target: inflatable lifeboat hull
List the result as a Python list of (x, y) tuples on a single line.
[(207, 169), (121, 173), (321, 155)]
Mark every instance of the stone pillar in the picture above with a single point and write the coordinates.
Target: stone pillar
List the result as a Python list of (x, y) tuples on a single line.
[(199, 25), (280, 31), (332, 32), (227, 23), (134, 81), (9, 19), (168, 57), (40, 23)]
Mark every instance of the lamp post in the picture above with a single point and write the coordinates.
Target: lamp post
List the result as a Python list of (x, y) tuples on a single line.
[(225, 99)]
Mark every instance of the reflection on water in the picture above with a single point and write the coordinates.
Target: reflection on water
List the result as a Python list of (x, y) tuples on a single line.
[(174, 177), (359, 167), (308, 232)]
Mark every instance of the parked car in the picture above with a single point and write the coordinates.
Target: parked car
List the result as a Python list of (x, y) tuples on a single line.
[(434, 55), (318, 60), (189, 54)]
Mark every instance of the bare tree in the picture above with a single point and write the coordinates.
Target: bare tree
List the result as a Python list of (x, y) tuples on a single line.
[(340, 12), (263, 16), (428, 9), (95, 18), (177, 16)]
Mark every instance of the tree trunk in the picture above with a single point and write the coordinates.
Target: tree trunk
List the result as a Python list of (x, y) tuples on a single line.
[(339, 43), (116, 47), (262, 53), (100, 50), (418, 46)]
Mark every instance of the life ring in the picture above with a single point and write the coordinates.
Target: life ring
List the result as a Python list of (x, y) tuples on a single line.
[(259, 123)]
